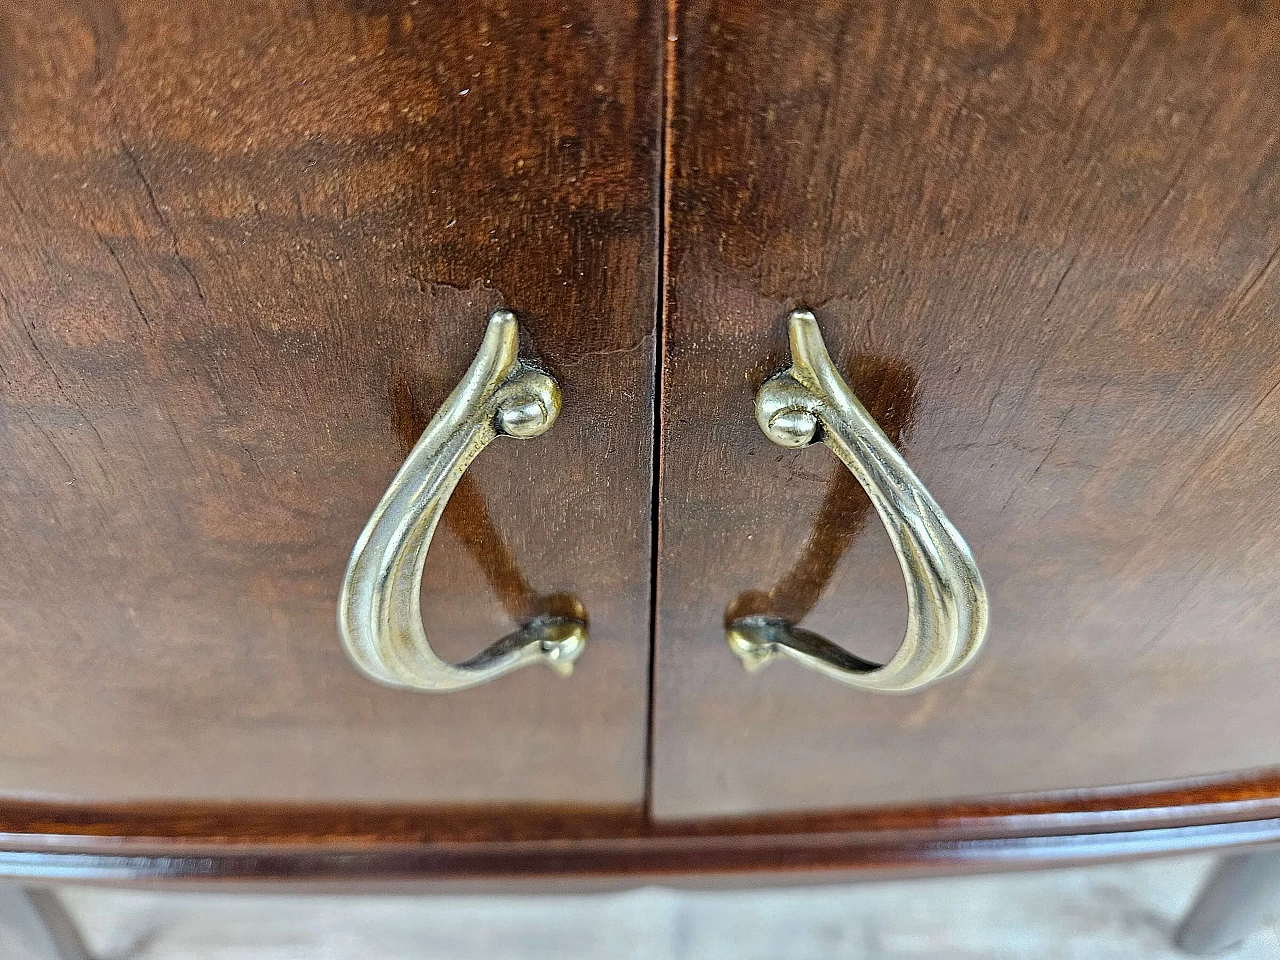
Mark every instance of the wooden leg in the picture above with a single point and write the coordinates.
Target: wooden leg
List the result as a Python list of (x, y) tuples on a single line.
[(41, 927), (1241, 894)]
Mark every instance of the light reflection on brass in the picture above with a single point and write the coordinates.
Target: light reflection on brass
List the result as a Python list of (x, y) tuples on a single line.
[(947, 607), (888, 387), (379, 606), (467, 517)]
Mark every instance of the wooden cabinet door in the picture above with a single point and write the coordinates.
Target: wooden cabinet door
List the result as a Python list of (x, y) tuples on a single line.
[(1043, 242), (246, 249)]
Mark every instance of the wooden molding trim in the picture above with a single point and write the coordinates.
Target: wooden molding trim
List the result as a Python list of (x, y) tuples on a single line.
[(354, 845)]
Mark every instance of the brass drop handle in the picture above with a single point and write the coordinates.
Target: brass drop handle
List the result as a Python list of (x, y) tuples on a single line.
[(379, 614), (946, 601)]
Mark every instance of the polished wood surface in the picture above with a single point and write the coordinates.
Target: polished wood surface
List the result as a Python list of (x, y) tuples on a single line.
[(247, 249), (1043, 243), (247, 252), (536, 849)]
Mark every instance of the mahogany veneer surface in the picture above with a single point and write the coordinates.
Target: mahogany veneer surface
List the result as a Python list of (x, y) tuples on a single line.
[(1043, 243), (247, 249)]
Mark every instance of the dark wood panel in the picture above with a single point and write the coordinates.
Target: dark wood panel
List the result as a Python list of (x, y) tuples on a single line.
[(246, 249), (1043, 242), (536, 849)]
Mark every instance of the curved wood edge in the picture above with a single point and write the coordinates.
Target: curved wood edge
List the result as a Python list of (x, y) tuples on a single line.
[(633, 861), (153, 843)]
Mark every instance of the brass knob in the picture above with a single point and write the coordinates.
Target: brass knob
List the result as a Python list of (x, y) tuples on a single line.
[(379, 606), (947, 608)]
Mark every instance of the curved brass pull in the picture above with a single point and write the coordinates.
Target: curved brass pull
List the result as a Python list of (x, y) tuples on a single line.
[(946, 600), (378, 609)]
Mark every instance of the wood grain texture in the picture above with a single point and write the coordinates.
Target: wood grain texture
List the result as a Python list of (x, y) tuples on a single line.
[(531, 848), (1044, 239), (246, 249)]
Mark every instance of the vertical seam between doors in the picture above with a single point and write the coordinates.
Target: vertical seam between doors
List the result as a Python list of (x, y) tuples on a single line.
[(664, 178)]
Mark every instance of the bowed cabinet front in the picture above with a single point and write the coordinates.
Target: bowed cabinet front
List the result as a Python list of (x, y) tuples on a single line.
[(1043, 241), (249, 255), (247, 250)]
